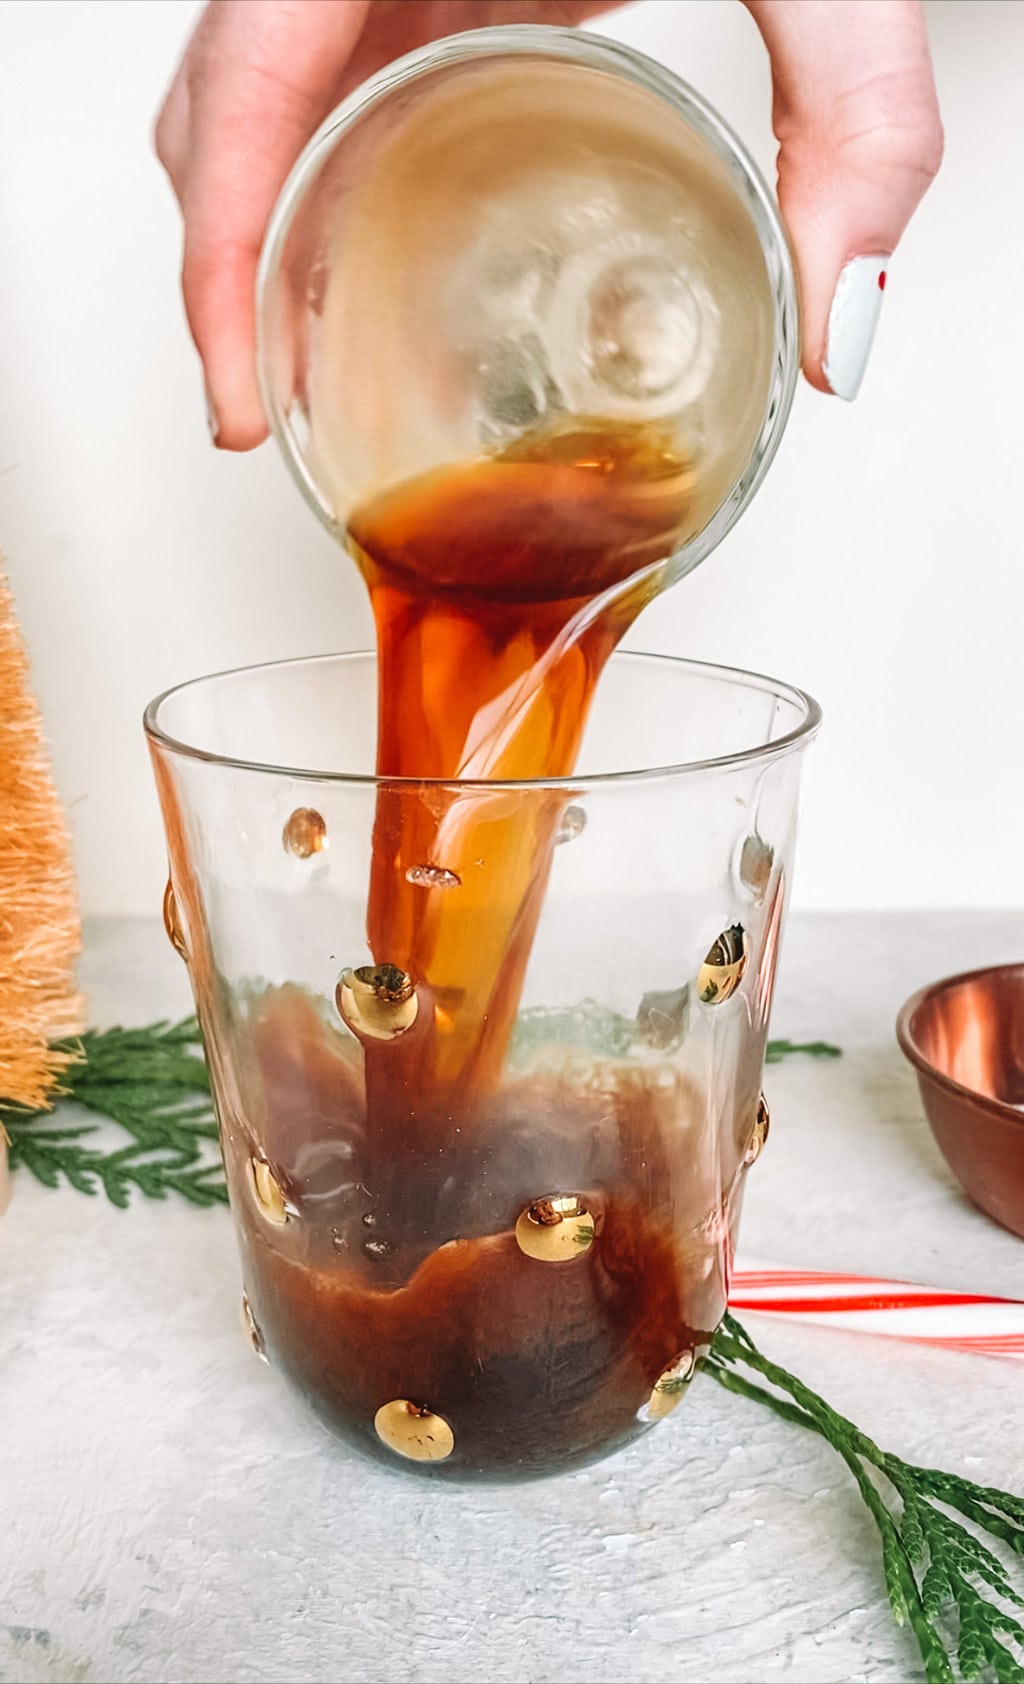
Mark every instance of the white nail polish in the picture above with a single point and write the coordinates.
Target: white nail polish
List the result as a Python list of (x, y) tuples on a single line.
[(852, 321)]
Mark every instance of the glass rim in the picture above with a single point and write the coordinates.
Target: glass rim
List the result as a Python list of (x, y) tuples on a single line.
[(798, 737), (616, 58)]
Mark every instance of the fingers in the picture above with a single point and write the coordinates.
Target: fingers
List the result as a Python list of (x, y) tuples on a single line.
[(256, 79), (855, 113), (856, 116)]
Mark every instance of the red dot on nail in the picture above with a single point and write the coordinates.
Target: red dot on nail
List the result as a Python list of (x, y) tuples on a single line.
[(881, 280)]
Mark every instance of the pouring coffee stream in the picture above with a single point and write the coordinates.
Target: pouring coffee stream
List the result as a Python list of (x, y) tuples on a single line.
[(490, 645), (499, 589)]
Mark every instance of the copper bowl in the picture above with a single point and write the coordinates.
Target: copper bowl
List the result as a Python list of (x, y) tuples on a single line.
[(965, 1038)]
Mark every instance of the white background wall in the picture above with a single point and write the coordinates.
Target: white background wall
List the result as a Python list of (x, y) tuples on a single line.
[(881, 565)]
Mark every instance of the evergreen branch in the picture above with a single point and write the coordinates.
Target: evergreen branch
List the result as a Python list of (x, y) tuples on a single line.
[(776, 1051), (143, 1079), (152, 1084), (930, 1561), (49, 1156)]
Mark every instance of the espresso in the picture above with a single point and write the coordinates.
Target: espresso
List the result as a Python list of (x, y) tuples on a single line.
[(499, 589), (412, 1285)]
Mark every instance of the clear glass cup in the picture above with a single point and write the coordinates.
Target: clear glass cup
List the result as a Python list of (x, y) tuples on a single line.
[(519, 234), (525, 1277)]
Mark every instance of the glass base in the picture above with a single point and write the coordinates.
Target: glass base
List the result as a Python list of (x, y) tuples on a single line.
[(525, 1296)]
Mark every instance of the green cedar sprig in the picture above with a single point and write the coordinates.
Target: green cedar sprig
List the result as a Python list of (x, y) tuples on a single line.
[(776, 1051), (938, 1573), (154, 1085)]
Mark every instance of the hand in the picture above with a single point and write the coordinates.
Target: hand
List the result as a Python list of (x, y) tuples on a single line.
[(855, 113), (257, 78), (857, 121)]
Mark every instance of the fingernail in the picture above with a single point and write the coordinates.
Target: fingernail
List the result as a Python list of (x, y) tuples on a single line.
[(852, 321), (211, 416)]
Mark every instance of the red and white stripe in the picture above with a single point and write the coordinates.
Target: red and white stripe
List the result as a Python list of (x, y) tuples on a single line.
[(959, 1321)]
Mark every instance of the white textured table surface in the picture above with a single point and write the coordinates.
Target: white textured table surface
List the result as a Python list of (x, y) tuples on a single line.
[(168, 1511)]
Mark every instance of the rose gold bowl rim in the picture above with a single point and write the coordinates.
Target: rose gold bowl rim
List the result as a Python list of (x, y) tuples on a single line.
[(925, 1067)]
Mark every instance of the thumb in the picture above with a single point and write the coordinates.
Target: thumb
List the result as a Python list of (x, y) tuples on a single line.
[(857, 120)]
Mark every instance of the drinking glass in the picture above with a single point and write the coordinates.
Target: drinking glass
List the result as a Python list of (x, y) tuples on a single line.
[(503, 1249), (505, 236)]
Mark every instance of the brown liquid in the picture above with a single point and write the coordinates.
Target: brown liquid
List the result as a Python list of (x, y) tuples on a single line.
[(494, 594), (499, 590), (537, 1366)]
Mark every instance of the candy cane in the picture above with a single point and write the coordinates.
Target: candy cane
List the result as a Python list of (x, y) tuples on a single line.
[(958, 1321)]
